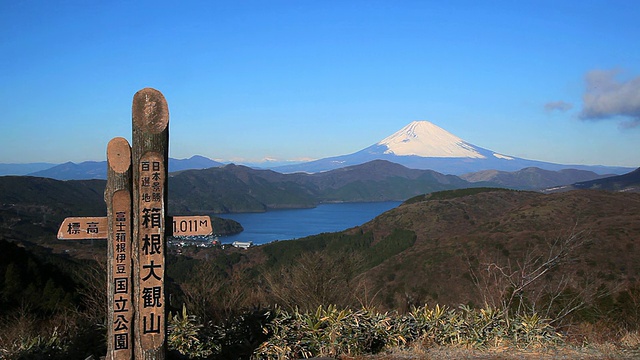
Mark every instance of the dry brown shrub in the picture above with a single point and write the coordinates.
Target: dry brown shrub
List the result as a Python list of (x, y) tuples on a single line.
[(317, 279), (600, 332), (631, 340)]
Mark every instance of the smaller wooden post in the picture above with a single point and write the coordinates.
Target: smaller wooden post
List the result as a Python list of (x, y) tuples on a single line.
[(150, 152), (119, 275)]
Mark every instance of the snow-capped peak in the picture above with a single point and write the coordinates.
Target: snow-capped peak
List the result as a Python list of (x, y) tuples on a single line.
[(422, 138)]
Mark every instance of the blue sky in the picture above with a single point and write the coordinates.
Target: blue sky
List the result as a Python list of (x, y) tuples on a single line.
[(556, 81)]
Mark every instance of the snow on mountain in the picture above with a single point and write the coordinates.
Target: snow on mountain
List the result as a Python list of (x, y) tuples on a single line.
[(423, 145), (500, 156), (422, 138)]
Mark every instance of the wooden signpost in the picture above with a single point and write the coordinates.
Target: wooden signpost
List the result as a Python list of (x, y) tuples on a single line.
[(85, 228), (136, 227)]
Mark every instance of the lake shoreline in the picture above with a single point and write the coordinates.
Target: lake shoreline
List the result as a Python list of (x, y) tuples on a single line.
[(290, 224)]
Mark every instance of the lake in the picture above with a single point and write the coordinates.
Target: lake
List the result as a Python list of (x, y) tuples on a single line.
[(265, 227)]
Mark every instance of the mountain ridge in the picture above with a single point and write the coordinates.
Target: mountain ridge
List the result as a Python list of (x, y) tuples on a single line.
[(446, 153), (233, 187), (237, 188), (419, 145), (532, 178), (87, 170), (629, 182)]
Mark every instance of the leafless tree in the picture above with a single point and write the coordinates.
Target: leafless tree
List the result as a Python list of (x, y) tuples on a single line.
[(520, 285), (94, 290), (313, 280), (202, 290)]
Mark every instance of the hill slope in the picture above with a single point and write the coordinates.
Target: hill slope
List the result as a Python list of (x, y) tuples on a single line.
[(235, 188), (451, 239), (32, 208), (532, 178), (625, 182)]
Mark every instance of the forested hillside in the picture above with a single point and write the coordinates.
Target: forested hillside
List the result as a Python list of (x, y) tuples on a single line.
[(567, 259)]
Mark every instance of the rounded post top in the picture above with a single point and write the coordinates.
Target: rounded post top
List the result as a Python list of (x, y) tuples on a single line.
[(119, 155), (150, 111)]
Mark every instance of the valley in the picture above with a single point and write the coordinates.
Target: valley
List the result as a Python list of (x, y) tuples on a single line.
[(489, 242)]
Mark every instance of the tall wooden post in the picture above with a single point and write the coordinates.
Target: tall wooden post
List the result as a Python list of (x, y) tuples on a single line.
[(150, 152), (117, 195)]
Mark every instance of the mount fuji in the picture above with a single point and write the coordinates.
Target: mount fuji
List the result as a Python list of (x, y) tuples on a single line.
[(423, 145)]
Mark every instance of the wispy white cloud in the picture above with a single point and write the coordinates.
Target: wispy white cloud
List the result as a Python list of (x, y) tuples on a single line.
[(557, 105), (606, 97)]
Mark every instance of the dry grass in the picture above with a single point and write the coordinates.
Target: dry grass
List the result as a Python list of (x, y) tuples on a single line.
[(605, 351), (631, 340), (626, 346)]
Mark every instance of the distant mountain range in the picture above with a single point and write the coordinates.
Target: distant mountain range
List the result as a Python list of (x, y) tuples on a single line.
[(423, 145), (236, 188), (629, 182), (98, 169), (532, 178), (23, 169), (419, 145)]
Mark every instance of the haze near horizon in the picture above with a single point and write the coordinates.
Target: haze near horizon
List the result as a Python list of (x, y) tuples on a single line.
[(554, 81)]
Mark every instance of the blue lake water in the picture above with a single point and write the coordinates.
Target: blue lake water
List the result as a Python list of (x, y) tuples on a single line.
[(273, 225)]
